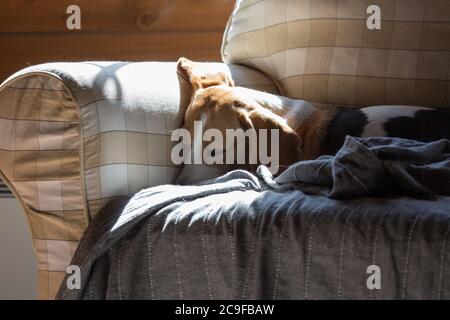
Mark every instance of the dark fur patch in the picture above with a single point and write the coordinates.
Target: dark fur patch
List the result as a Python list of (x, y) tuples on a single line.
[(346, 122), (426, 126)]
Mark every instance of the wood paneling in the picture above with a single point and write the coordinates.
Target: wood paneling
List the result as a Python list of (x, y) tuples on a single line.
[(29, 49), (34, 31), (113, 15)]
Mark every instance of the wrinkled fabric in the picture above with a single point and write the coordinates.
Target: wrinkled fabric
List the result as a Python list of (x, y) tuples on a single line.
[(375, 167), (315, 232)]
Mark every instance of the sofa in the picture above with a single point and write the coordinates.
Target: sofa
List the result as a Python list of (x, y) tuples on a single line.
[(77, 135)]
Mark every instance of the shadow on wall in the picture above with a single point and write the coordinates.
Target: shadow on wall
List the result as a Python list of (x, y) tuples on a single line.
[(18, 278)]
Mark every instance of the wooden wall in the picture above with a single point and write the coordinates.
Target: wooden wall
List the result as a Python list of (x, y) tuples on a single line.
[(34, 31)]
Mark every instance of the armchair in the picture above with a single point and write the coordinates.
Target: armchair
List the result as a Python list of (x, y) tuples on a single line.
[(76, 135)]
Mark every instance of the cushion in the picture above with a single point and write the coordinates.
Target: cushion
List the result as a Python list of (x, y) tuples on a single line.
[(323, 51)]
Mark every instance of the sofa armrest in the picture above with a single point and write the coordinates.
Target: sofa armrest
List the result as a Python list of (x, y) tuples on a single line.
[(76, 135)]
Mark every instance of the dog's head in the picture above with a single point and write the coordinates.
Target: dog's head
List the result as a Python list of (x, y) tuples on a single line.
[(218, 104)]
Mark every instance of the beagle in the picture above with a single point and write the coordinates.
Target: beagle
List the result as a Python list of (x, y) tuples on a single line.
[(305, 131)]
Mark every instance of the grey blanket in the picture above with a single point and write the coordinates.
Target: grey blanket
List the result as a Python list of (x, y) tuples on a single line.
[(318, 231)]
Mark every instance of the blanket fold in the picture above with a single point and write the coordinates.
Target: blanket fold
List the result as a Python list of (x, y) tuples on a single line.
[(374, 167), (311, 233)]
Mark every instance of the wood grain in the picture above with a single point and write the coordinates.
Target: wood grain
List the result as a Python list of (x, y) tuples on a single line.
[(111, 15), (29, 49), (33, 31)]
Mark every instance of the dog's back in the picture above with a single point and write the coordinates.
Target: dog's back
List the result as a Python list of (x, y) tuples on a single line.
[(417, 123)]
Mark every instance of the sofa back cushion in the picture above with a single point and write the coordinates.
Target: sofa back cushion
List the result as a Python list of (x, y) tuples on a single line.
[(323, 50)]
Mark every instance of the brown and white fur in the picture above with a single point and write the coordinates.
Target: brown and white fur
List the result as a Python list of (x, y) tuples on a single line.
[(306, 132)]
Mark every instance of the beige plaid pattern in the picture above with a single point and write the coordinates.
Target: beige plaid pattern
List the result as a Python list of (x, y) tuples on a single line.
[(124, 151), (39, 160), (322, 50), (76, 135)]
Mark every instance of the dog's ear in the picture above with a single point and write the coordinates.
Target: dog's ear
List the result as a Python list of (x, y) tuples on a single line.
[(199, 77), (289, 144)]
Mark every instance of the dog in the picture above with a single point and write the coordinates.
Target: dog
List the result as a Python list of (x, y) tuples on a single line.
[(305, 131)]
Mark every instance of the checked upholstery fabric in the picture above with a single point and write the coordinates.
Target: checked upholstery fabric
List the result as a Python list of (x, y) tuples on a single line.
[(322, 50)]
